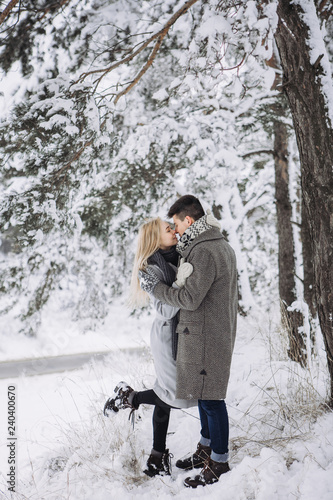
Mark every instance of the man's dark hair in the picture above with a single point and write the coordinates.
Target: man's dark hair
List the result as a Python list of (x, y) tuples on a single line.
[(187, 205)]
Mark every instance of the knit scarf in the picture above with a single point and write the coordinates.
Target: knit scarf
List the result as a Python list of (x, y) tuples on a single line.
[(161, 259), (198, 227)]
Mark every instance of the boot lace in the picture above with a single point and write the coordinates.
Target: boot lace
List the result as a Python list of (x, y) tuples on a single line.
[(166, 460), (207, 469)]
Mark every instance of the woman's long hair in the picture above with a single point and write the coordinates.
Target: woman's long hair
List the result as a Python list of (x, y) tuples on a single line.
[(148, 243)]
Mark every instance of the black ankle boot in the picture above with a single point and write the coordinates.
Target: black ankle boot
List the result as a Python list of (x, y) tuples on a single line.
[(159, 465), (120, 399)]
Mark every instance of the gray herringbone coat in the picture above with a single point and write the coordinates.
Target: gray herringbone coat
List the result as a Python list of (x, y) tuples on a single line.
[(208, 315)]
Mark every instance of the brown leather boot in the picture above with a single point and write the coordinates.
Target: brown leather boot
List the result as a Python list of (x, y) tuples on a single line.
[(210, 474), (197, 460)]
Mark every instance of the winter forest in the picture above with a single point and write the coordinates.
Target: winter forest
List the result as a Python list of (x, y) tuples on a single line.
[(109, 111)]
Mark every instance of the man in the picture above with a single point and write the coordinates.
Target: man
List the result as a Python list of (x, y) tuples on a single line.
[(206, 332)]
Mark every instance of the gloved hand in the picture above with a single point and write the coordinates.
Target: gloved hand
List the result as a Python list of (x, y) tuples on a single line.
[(210, 219), (148, 280), (185, 270)]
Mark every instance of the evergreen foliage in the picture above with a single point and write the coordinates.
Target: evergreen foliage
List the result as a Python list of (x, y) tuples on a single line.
[(79, 174)]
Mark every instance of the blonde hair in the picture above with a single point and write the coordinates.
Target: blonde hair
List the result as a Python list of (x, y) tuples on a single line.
[(148, 243)]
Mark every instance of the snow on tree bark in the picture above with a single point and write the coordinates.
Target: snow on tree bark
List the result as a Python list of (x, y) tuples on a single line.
[(303, 84)]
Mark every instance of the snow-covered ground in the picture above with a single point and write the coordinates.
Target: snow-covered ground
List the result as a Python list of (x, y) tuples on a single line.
[(281, 433)]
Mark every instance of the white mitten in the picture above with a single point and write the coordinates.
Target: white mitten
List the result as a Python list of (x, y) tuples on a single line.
[(185, 270), (210, 219)]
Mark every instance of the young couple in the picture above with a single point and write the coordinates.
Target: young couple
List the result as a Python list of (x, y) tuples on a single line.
[(193, 334)]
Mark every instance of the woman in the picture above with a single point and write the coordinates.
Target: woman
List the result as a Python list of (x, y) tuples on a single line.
[(156, 248)]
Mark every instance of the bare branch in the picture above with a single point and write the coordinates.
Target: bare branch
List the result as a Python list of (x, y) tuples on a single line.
[(5, 13), (74, 158), (78, 153), (157, 36), (260, 152), (59, 4), (143, 70), (324, 9), (55, 6)]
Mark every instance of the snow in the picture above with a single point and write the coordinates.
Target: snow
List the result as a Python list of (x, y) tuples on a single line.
[(160, 95), (213, 25), (280, 429), (281, 434)]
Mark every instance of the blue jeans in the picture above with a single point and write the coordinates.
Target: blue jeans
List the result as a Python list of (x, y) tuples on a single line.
[(215, 428)]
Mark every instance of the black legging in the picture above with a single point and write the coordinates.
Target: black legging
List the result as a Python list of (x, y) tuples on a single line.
[(161, 416)]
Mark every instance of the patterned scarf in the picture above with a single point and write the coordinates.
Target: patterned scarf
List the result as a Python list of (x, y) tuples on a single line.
[(161, 259), (198, 227)]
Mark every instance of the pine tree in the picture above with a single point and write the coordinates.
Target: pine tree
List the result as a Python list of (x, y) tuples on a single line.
[(128, 107)]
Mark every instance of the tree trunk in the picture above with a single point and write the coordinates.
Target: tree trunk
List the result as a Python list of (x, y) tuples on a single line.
[(303, 85), (291, 318), (309, 280), (309, 287)]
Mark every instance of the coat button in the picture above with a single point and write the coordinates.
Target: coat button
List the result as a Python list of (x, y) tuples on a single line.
[(186, 330), (203, 372)]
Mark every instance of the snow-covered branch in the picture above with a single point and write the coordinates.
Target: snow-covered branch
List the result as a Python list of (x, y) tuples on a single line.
[(159, 36)]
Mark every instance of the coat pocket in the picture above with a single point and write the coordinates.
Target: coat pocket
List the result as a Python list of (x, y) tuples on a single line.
[(190, 343)]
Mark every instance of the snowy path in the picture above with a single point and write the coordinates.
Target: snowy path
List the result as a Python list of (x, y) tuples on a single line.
[(52, 364)]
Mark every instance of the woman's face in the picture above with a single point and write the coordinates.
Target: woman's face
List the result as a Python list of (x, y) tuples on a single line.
[(168, 236)]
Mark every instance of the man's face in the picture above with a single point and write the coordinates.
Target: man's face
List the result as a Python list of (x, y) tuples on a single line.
[(182, 225)]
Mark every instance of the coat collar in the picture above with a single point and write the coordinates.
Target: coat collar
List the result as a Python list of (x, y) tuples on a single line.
[(211, 234)]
